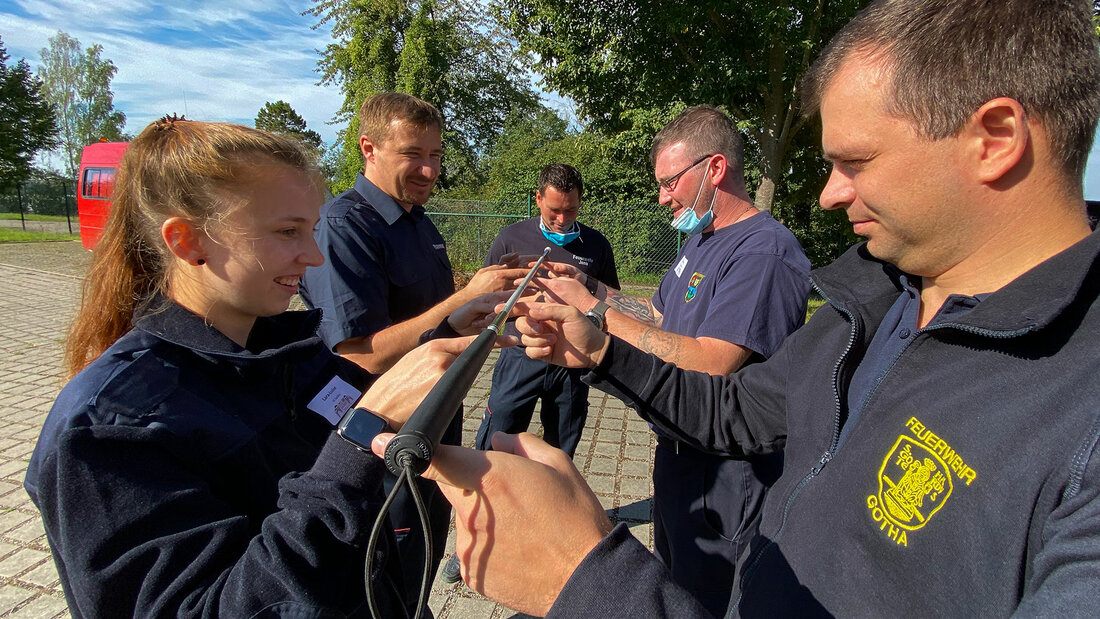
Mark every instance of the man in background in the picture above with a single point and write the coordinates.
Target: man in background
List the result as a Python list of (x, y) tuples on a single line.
[(737, 289), (387, 280)]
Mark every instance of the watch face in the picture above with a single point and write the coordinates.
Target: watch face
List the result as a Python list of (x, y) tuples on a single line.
[(596, 320), (360, 426)]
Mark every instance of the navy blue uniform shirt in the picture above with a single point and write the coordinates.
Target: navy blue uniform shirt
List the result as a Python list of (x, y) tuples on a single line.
[(590, 252), (383, 265), (746, 284)]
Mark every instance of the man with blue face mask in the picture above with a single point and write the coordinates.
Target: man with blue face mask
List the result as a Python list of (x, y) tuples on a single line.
[(520, 382), (737, 288)]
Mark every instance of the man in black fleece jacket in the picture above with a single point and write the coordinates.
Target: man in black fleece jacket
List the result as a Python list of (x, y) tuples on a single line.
[(941, 416)]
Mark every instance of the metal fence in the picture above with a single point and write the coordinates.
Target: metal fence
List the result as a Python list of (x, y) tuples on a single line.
[(638, 231), (643, 242), (53, 196)]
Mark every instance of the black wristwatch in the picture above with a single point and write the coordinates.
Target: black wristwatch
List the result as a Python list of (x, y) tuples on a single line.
[(591, 283), (596, 315), (359, 426)]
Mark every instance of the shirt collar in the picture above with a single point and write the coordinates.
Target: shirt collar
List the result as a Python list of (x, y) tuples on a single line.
[(382, 202), (270, 336)]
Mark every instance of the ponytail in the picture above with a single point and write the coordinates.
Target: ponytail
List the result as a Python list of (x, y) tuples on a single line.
[(174, 168)]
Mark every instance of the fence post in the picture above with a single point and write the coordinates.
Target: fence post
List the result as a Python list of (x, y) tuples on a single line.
[(528, 204), (19, 197), (65, 198)]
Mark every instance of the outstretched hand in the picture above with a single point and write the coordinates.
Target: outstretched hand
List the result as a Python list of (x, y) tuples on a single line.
[(478, 313), (494, 278), (397, 393), (560, 334), (524, 499)]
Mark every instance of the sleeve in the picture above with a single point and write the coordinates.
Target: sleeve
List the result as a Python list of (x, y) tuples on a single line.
[(609, 275), (737, 415), (1062, 576), (758, 301), (351, 288), (498, 248), (620, 578), (137, 533)]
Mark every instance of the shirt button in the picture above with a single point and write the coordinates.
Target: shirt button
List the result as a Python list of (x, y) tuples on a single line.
[(904, 334)]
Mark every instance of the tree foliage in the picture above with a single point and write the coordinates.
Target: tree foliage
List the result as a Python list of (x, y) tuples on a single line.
[(78, 85), (630, 65), (444, 51), (27, 122), (280, 117)]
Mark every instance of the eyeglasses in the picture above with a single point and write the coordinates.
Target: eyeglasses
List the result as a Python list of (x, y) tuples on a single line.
[(670, 183)]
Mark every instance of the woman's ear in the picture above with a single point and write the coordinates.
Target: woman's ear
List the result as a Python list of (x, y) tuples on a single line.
[(184, 240)]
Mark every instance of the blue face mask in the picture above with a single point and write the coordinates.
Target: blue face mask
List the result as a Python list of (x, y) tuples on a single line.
[(560, 238), (688, 222)]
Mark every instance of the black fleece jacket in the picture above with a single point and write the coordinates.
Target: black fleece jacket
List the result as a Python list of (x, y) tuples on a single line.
[(969, 486), (181, 475)]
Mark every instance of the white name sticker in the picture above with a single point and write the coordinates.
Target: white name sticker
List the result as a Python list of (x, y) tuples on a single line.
[(334, 400), (681, 266)]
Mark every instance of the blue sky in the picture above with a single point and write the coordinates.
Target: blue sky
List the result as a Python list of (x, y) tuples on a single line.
[(211, 60)]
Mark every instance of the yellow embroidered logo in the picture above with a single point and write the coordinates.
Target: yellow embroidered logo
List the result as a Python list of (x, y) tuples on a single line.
[(915, 481)]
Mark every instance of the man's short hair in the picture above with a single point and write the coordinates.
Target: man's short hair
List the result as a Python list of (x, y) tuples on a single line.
[(380, 110), (563, 177), (705, 130), (949, 57)]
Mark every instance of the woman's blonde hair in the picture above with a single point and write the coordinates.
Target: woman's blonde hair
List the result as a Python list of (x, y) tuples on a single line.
[(174, 168)]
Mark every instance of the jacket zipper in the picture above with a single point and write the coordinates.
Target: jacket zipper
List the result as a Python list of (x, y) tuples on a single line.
[(833, 446), (825, 457)]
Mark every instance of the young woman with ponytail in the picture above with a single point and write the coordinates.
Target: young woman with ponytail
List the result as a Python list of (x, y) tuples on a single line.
[(189, 467)]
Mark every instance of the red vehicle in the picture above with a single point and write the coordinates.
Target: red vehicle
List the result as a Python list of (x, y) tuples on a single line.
[(95, 183)]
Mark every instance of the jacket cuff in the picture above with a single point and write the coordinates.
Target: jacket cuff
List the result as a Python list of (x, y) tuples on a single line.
[(621, 578), (620, 361), (443, 330), (341, 461)]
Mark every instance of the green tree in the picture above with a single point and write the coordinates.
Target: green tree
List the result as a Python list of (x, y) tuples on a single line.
[(630, 66), (446, 51), (78, 85), (27, 122), (280, 117)]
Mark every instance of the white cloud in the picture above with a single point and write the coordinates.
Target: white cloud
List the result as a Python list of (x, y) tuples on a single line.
[(208, 60)]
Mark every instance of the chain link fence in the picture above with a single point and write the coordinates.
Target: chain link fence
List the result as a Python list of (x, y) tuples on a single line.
[(643, 242), (52, 197)]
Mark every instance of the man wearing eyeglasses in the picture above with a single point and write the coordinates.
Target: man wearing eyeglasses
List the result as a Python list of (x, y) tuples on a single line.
[(736, 290)]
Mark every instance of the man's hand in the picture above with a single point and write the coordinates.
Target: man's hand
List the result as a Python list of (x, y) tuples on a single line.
[(397, 393), (477, 314), (522, 504), (560, 334), (566, 290), (514, 260), (493, 278)]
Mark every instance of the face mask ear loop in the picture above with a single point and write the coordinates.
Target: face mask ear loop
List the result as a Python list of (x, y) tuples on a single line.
[(700, 192)]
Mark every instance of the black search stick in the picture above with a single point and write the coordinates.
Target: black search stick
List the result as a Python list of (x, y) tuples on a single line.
[(416, 442)]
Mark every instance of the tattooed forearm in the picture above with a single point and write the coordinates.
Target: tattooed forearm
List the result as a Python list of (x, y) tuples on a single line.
[(661, 343), (640, 309)]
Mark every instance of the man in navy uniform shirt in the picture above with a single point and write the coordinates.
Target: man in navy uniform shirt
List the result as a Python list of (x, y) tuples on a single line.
[(518, 382), (736, 290), (387, 280)]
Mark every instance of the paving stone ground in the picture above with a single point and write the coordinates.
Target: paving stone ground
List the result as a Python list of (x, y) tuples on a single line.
[(40, 286)]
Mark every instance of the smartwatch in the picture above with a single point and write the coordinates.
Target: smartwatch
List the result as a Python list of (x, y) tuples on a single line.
[(592, 284), (359, 426), (596, 315)]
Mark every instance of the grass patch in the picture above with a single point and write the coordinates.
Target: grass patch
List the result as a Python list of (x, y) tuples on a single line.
[(32, 217), (14, 235)]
